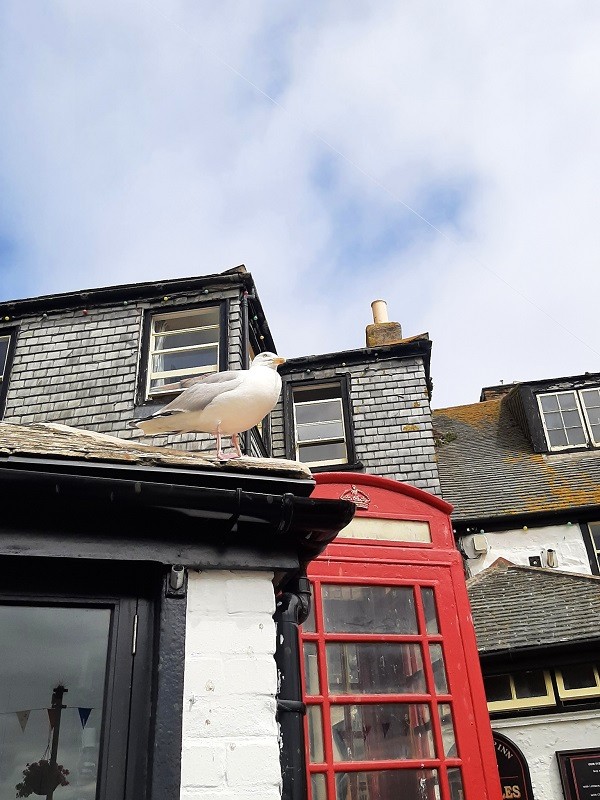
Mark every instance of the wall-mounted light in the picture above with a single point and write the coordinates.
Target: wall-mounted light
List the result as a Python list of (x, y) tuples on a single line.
[(551, 558)]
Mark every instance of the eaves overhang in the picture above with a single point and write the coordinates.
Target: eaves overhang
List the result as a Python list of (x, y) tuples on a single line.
[(110, 295), (210, 519), (415, 346)]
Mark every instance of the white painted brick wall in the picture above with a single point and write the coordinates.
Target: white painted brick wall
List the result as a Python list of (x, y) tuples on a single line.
[(517, 545), (230, 735), (540, 737)]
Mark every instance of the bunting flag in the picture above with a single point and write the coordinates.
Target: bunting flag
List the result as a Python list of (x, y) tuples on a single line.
[(52, 716), (23, 716), (84, 715)]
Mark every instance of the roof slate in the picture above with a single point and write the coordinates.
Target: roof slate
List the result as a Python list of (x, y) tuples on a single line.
[(48, 440), (515, 607), (488, 469)]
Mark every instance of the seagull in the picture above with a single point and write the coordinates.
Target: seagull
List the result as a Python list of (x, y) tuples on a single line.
[(223, 403)]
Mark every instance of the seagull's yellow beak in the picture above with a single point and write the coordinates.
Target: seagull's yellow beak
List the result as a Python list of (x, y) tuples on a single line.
[(279, 360)]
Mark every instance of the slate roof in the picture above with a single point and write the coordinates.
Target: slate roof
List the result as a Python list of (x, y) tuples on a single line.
[(49, 440), (516, 607), (488, 469)]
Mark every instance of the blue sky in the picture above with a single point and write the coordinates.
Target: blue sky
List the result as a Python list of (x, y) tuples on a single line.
[(137, 143)]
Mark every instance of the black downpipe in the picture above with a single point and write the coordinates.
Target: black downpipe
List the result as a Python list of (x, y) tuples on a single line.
[(292, 610), (245, 351)]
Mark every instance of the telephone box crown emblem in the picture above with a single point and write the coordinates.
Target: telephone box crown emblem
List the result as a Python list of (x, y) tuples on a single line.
[(356, 496)]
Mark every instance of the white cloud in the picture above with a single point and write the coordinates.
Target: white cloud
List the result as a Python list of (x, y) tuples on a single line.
[(132, 152)]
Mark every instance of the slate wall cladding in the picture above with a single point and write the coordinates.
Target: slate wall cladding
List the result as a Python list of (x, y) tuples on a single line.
[(392, 419), (82, 369)]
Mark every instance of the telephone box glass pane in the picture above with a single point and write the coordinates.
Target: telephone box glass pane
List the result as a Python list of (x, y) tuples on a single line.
[(401, 784), (315, 735), (369, 609), (51, 658), (447, 726), (439, 668), (375, 668), (456, 785), (319, 787), (431, 619), (384, 731)]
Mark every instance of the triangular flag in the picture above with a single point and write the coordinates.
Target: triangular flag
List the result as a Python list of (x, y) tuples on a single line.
[(52, 716), (84, 715), (23, 716)]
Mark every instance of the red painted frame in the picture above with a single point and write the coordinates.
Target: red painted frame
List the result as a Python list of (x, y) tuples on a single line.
[(435, 564)]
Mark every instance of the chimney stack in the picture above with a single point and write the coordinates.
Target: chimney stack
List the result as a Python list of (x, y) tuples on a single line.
[(382, 331)]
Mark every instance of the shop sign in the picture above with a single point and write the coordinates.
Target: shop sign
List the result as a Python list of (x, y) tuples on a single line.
[(580, 773), (513, 770)]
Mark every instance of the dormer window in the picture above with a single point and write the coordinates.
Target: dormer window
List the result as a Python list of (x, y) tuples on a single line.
[(571, 419), (182, 344)]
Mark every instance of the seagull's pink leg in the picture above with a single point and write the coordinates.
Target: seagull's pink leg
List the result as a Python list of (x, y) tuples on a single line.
[(236, 443), (228, 456)]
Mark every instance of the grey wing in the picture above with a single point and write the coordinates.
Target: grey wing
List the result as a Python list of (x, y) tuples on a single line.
[(204, 390)]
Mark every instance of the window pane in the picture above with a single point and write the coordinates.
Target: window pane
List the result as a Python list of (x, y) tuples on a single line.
[(320, 430), (187, 359), (315, 735), (308, 394), (318, 412), (4, 342), (378, 732), (400, 784), (195, 319), (41, 648), (497, 688), (375, 668), (557, 438), (430, 613), (369, 609), (595, 531), (571, 419), (596, 433), (439, 668), (549, 402), (579, 676), (567, 401), (187, 339), (311, 668), (456, 785), (554, 421), (313, 453), (447, 726), (319, 787), (576, 436), (530, 684)]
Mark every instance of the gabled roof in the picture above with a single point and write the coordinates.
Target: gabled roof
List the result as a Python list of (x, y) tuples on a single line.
[(488, 468), (517, 607)]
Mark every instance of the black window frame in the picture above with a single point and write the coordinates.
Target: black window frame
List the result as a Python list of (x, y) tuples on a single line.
[(144, 352), (12, 333), (289, 385), (124, 760)]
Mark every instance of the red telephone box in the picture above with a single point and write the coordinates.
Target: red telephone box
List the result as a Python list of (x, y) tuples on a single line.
[(396, 708)]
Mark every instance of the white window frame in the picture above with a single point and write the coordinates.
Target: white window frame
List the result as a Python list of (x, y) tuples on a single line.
[(515, 702), (332, 440), (585, 414), (188, 371), (582, 418), (586, 691)]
